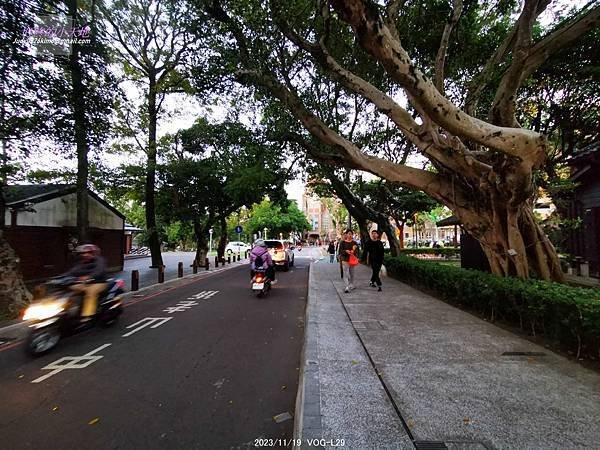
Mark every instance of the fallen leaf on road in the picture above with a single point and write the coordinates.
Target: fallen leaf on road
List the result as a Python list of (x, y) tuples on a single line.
[(410, 423), (55, 408), (283, 387), (94, 421), (231, 402), (21, 376), (282, 417), (354, 362), (466, 421)]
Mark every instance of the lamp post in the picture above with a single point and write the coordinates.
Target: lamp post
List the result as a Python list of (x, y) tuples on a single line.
[(265, 232), (210, 232)]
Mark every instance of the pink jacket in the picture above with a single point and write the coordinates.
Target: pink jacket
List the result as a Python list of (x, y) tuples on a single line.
[(264, 254)]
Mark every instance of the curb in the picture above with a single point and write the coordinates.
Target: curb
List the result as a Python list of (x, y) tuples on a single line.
[(307, 423), (19, 328)]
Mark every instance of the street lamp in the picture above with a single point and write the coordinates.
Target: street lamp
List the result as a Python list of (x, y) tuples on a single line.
[(265, 232), (210, 232)]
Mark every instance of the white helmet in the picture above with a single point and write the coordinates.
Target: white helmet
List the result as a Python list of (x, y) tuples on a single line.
[(260, 243)]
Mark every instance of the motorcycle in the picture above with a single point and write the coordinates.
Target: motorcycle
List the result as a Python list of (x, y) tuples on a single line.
[(261, 284), (57, 313)]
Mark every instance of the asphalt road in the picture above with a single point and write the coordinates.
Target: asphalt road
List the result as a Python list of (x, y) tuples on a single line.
[(208, 374)]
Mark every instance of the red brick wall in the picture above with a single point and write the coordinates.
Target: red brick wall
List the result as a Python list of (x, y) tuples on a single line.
[(44, 251)]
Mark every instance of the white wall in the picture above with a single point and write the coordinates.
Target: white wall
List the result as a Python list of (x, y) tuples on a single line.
[(62, 212)]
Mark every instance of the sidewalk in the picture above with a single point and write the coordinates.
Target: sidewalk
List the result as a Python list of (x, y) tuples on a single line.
[(401, 369)]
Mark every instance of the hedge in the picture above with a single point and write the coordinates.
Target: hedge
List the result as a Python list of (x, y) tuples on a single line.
[(443, 251), (567, 315)]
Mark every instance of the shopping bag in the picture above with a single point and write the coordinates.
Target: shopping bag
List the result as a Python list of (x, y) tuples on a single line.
[(353, 260)]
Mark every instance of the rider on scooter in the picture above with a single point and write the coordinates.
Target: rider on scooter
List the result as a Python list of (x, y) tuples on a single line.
[(260, 249), (91, 271)]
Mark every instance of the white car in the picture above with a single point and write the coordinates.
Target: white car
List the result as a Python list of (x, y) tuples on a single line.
[(235, 247), (281, 253)]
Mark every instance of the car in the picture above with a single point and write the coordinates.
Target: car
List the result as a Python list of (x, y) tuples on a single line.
[(236, 246), (281, 253)]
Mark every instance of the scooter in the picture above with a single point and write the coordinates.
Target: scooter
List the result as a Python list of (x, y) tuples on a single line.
[(261, 283), (57, 313)]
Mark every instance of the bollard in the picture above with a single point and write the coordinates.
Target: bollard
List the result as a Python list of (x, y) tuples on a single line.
[(246, 254), (229, 259), (161, 274), (194, 267), (207, 264), (180, 270), (135, 280), (239, 257), (216, 261)]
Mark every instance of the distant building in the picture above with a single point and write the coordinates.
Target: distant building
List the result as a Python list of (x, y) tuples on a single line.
[(41, 227), (317, 214)]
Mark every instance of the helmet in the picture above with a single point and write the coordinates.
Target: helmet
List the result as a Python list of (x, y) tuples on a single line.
[(260, 243), (88, 248)]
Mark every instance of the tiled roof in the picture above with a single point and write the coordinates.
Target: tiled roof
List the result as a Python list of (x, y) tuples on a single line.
[(25, 192)]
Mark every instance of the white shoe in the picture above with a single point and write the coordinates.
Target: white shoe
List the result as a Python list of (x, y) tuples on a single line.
[(351, 287), (346, 290)]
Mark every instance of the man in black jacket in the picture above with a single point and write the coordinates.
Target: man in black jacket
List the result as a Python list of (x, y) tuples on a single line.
[(374, 253)]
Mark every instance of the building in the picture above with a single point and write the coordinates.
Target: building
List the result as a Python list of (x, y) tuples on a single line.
[(319, 218), (584, 242), (41, 228)]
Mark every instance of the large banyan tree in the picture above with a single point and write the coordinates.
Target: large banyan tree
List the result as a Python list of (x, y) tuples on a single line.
[(465, 123)]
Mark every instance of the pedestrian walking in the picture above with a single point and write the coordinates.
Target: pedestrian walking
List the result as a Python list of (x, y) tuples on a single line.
[(374, 256), (348, 253), (331, 251)]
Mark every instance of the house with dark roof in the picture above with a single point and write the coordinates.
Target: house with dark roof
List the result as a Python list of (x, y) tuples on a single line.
[(41, 224), (585, 205)]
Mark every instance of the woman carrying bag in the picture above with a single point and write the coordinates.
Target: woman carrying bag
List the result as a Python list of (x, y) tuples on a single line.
[(348, 251)]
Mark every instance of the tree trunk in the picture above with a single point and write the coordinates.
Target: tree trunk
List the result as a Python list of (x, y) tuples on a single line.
[(363, 227), (514, 243), (222, 240), (14, 296), (153, 238), (201, 231), (78, 105), (384, 226)]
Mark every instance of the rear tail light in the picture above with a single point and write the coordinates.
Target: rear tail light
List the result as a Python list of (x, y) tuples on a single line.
[(259, 278)]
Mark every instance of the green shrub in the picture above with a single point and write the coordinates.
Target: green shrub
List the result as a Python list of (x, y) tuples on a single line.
[(445, 251), (568, 315)]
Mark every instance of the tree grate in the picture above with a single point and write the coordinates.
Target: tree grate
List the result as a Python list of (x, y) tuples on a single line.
[(523, 354), (430, 445)]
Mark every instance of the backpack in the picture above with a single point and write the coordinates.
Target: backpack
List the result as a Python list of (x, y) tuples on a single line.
[(258, 261)]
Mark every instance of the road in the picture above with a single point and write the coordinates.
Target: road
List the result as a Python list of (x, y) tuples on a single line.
[(207, 374)]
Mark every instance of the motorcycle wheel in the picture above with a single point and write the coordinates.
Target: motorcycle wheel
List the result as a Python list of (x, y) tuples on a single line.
[(42, 341), (110, 318)]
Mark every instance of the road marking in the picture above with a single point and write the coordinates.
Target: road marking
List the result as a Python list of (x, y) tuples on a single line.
[(72, 362), (181, 306), (157, 321), (204, 295)]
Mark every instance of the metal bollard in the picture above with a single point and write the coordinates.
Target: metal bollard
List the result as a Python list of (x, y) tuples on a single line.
[(229, 259), (216, 261), (239, 257), (161, 274), (180, 270), (135, 280), (194, 267), (207, 264)]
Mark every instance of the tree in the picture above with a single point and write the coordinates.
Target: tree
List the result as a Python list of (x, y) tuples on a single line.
[(152, 54), (276, 219), (217, 169), (484, 160)]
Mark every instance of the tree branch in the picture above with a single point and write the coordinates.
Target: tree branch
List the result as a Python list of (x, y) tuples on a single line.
[(443, 49)]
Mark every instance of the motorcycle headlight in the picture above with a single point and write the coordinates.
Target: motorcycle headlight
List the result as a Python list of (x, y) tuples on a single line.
[(44, 310)]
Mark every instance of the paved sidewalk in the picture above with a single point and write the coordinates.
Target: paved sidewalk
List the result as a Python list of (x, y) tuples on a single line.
[(401, 369)]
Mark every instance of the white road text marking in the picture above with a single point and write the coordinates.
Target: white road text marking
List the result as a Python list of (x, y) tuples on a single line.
[(72, 362), (157, 321)]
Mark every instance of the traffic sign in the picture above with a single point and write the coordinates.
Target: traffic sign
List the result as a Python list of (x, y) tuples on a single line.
[(239, 229)]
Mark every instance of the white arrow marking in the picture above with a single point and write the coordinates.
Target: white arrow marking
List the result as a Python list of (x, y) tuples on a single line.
[(72, 362), (157, 321)]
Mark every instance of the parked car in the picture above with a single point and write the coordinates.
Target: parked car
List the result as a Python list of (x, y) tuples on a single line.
[(236, 246), (281, 253)]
